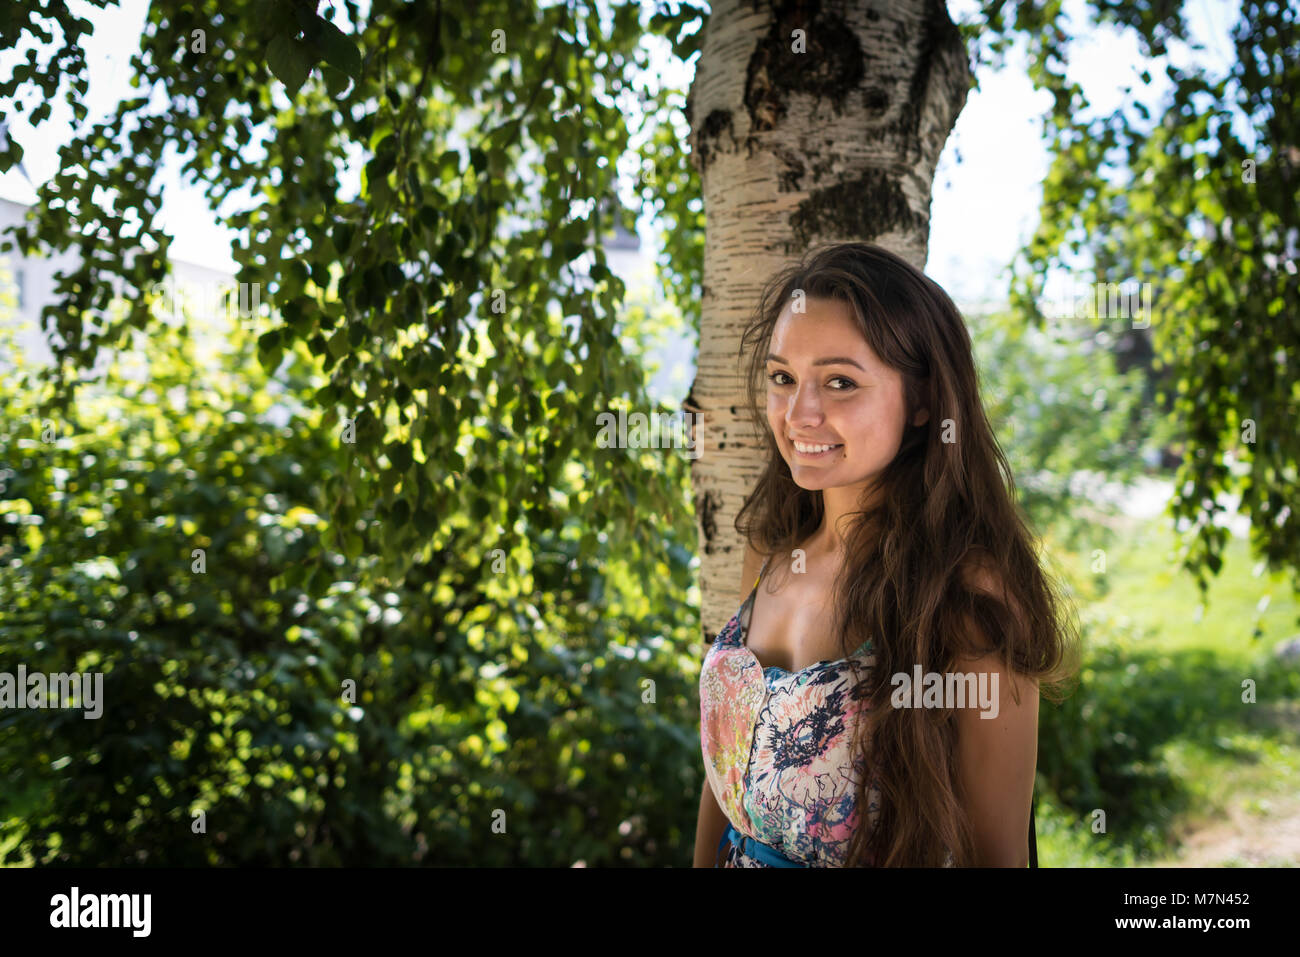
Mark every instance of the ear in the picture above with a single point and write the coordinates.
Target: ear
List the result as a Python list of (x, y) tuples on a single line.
[(921, 417)]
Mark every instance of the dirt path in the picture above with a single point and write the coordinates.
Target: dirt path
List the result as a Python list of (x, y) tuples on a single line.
[(1256, 832)]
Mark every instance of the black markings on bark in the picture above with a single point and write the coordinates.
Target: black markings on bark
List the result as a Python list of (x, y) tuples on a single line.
[(875, 101), (831, 67), (940, 38), (789, 177), (707, 507), (862, 209), (689, 404), (714, 124), (823, 164)]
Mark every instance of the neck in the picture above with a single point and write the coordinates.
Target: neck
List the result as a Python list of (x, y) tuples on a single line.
[(839, 508)]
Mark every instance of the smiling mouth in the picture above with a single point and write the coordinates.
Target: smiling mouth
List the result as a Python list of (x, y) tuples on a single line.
[(814, 451)]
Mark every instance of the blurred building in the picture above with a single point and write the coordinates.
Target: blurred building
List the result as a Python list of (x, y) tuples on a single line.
[(31, 281)]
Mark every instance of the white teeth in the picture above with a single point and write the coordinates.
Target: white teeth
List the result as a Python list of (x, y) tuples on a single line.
[(811, 449)]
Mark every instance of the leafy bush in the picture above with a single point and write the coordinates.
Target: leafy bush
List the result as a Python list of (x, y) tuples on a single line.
[(485, 680)]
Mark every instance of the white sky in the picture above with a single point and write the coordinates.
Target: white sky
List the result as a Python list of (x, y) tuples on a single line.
[(983, 208)]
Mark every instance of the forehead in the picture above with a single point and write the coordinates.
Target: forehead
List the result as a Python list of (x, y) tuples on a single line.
[(823, 324)]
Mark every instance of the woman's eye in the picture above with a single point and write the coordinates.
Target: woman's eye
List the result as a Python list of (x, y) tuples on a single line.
[(848, 383)]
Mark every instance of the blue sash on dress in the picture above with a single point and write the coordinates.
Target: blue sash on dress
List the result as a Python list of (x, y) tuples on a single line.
[(756, 849)]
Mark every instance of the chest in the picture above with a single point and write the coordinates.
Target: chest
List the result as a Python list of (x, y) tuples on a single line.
[(792, 622)]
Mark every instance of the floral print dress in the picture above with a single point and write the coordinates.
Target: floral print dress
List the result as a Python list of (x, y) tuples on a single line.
[(777, 748)]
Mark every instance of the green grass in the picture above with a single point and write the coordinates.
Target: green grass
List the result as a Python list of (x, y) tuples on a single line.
[(1147, 585), (1157, 736)]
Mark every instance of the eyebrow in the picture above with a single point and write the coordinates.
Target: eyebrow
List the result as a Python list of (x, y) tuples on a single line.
[(833, 360)]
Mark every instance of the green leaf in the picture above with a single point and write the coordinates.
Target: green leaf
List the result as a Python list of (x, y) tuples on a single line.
[(449, 165), (342, 237), (336, 81), (290, 61), (399, 453), (15, 156), (337, 48), (356, 334), (338, 343)]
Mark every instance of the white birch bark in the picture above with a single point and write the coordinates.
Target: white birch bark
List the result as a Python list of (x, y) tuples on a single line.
[(807, 126)]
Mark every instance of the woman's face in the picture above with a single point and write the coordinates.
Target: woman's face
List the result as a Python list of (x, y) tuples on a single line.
[(825, 386)]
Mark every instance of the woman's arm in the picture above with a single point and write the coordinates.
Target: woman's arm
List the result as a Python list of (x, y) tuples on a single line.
[(708, 828), (712, 821), (996, 757)]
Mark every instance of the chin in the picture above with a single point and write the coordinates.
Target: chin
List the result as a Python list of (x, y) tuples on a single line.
[(810, 480)]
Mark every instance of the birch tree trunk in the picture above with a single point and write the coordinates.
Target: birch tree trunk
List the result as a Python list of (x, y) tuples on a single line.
[(809, 124)]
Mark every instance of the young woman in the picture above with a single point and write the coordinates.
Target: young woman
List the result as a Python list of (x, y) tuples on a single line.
[(884, 535)]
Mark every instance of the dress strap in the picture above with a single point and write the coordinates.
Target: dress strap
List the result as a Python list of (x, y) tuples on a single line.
[(761, 570), (748, 607)]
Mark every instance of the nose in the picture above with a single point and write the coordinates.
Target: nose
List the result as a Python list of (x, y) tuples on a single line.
[(804, 411)]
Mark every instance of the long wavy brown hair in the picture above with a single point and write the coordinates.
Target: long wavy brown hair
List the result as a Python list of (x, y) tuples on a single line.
[(943, 509)]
